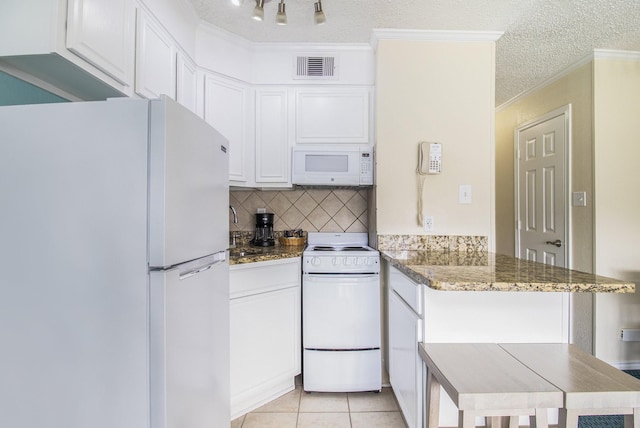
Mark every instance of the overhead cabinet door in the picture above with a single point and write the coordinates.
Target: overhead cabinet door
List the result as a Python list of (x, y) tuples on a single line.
[(272, 142), (332, 116), (102, 32), (155, 59)]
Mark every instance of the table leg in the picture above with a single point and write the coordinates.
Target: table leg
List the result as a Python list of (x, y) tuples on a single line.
[(539, 419), (632, 420), (432, 401), (466, 419), (567, 418)]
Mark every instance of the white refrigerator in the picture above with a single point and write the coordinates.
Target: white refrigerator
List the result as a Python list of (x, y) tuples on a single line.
[(114, 294)]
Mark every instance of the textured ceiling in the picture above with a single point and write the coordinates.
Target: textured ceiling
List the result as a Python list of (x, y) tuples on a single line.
[(541, 37)]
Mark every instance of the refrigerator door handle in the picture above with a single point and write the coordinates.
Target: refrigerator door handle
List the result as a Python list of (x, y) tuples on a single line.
[(193, 272), (199, 269)]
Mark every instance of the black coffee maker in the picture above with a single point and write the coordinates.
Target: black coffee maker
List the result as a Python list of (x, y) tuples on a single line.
[(263, 236)]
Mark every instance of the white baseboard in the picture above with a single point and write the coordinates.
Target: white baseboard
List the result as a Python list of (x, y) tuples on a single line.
[(627, 365)]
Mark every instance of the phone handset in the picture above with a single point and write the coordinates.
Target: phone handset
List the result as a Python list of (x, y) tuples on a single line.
[(429, 158), (429, 162)]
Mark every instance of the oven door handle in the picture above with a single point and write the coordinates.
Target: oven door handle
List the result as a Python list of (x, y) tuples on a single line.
[(332, 276)]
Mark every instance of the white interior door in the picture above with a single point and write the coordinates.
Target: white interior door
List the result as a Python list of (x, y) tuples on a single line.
[(541, 189)]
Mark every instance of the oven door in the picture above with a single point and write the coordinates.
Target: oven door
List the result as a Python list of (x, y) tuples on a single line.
[(341, 312)]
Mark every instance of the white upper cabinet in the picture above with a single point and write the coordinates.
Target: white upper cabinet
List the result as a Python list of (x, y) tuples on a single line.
[(273, 145), (227, 108), (187, 82), (333, 115), (83, 52), (102, 33), (155, 59)]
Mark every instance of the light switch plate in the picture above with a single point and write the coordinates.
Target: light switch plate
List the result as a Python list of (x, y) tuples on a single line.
[(579, 199), (464, 193)]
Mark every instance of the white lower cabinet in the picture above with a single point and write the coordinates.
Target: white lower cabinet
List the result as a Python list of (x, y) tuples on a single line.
[(405, 366), (418, 313), (265, 332)]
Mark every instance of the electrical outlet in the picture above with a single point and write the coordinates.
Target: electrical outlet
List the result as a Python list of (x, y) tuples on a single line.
[(261, 210), (428, 223)]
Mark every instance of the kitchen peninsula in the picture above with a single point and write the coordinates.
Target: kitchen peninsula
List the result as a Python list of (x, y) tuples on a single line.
[(443, 289), (484, 271)]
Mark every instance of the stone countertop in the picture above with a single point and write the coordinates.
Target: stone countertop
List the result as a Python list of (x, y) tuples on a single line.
[(250, 254), (484, 271)]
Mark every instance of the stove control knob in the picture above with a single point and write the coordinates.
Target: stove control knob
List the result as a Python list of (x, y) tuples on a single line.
[(334, 261), (315, 261)]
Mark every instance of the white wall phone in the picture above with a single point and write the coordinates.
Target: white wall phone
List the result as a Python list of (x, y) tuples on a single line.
[(430, 158), (429, 162)]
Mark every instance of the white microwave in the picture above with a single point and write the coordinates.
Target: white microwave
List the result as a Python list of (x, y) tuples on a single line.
[(349, 165)]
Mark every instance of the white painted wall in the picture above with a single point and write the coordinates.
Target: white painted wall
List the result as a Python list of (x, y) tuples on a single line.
[(439, 91), (223, 52), (273, 63), (617, 202), (179, 18)]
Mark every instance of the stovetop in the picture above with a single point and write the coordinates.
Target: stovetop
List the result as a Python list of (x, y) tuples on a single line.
[(339, 253), (339, 248)]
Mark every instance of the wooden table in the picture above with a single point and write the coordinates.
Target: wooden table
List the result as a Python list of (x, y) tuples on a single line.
[(485, 380), (590, 386)]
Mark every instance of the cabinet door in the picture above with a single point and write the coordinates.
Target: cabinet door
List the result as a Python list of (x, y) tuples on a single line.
[(225, 108), (332, 116), (272, 141), (155, 59), (265, 345), (405, 365), (186, 79), (102, 32)]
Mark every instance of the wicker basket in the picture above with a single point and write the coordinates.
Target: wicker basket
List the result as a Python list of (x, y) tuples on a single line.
[(293, 241)]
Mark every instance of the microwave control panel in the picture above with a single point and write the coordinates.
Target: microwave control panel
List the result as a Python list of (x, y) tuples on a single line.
[(366, 167)]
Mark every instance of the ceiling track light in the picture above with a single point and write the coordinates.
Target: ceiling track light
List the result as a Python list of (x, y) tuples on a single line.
[(281, 16), (258, 11), (318, 16)]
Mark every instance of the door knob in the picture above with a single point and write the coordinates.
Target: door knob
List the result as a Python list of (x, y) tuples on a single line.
[(557, 243)]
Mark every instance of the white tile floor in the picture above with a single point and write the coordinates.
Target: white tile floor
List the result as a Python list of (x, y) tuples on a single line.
[(299, 409)]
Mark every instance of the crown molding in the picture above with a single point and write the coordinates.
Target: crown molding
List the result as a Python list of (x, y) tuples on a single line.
[(433, 35), (225, 35), (230, 37), (616, 54)]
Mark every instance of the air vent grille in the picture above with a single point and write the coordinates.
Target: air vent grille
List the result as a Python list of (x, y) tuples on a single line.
[(315, 67)]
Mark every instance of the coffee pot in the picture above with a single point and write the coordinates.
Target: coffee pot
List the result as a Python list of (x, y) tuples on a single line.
[(263, 236)]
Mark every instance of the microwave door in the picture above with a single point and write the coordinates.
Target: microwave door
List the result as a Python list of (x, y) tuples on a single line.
[(326, 168)]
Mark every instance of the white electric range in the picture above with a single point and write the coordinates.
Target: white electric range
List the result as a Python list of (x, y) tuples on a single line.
[(341, 313)]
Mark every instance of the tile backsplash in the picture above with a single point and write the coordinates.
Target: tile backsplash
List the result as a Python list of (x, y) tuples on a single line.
[(312, 210)]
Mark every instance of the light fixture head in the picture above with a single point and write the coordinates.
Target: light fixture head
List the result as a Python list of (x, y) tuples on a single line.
[(281, 16), (258, 11), (318, 16)]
